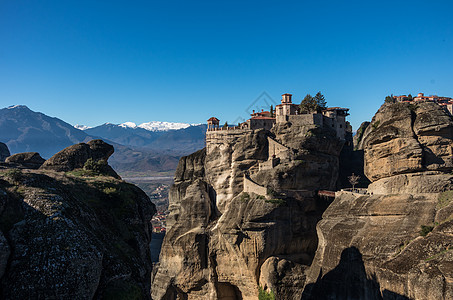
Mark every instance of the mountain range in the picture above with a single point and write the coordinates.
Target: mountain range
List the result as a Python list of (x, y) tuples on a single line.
[(147, 148)]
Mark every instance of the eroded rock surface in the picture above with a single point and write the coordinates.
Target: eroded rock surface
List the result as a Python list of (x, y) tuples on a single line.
[(67, 236), (222, 243), (75, 157), (379, 245), (408, 137), (30, 160), (391, 256)]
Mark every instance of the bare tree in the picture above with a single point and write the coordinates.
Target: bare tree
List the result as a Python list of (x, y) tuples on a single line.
[(353, 180)]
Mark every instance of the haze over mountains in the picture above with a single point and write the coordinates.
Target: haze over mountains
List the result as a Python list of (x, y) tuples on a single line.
[(146, 148)]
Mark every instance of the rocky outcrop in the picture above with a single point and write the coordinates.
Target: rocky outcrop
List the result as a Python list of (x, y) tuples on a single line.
[(222, 243), (380, 245), (29, 160), (75, 157), (405, 138), (4, 152), (390, 256), (63, 236), (358, 137)]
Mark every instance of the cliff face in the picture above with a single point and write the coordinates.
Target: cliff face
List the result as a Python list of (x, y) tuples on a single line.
[(378, 245), (81, 235), (405, 138), (392, 243), (222, 242)]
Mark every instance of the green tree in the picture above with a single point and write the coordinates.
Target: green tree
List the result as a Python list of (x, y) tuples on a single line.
[(225, 126), (309, 104), (409, 97), (320, 101), (272, 111), (389, 99)]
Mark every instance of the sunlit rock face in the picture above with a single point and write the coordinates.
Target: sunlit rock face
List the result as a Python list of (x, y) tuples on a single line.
[(379, 245), (406, 138), (223, 243)]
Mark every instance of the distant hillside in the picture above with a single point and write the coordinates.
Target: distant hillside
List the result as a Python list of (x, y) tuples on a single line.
[(136, 137), (24, 130), (137, 150), (181, 141), (132, 162)]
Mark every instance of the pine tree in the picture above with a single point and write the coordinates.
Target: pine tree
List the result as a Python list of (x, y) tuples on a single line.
[(308, 105), (389, 99), (320, 101), (272, 111)]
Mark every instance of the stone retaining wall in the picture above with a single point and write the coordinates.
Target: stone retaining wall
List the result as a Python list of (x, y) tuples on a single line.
[(252, 187)]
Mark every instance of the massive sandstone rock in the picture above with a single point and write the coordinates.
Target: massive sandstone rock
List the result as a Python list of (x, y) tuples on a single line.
[(408, 137), (31, 160), (370, 248), (75, 157), (222, 243), (64, 237), (358, 137), (4, 152), (373, 246)]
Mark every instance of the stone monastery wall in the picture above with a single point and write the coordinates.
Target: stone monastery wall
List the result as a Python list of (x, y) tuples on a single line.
[(306, 119), (251, 187)]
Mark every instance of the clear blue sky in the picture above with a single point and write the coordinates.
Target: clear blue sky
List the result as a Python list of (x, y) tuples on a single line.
[(91, 62)]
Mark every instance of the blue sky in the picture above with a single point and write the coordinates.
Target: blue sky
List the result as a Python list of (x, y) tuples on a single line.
[(91, 62)]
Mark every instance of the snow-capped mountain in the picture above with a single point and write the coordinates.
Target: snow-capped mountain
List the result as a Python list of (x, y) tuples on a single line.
[(136, 149), (161, 136), (150, 126), (156, 125), (82, 127)]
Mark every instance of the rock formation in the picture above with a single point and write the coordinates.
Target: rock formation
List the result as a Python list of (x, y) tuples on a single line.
[(71, 235), (358, 137), (30, 160), (406, 138), (4, 152), (222, 242), (379, 246), (243, 213), (75, 157)]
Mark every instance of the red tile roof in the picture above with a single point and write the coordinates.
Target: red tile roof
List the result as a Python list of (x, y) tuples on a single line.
[(263, 118), (213, 119)]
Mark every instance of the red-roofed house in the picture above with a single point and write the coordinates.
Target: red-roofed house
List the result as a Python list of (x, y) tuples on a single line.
[(213, 122)]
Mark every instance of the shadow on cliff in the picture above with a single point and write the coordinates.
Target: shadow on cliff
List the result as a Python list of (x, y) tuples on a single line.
[(348, 280), (352, 161)]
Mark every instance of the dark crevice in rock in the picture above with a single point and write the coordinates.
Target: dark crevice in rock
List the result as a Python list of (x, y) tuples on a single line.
[(414, 135)]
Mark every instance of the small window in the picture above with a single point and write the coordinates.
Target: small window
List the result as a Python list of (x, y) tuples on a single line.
[(341, 126)]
